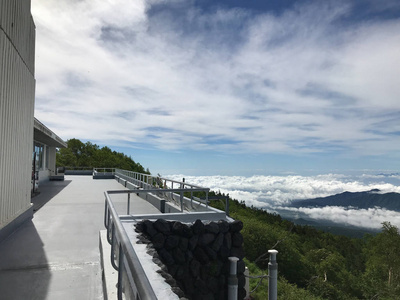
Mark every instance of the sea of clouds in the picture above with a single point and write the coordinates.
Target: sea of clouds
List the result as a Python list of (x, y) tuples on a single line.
[(275, 193)]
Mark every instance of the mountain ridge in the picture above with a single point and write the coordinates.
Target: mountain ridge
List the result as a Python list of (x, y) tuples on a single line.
[(361, 200)]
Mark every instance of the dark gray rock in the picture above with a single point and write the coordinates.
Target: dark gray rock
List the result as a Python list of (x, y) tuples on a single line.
[(139, 227), (223, 226), (182, 229), (236, 226), (182, 272), (172, 269), (201, 256), (195, 268), (241, 293), (212, 227), (188, 284), (201, 286), (204, 271), (166, 257), (237, 239), (162, 226), (158, 240), (228, 240), (198, 227), (237, 252), (206, 239), (193, 242), (215, 268), (222, 294), (241, 266), (241, 280), (216, 245), (211, 253), (224, 252), (213, 285), (149, 228), (208, 296), (179, 256), (183, 243), (171, 242), (179, 293), (188, 255)]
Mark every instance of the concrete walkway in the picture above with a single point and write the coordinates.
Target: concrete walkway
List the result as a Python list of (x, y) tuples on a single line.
[(56, 255)]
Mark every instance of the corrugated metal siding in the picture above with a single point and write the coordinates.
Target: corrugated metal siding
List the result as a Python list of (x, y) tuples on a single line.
[(17, 96), (16, 21)]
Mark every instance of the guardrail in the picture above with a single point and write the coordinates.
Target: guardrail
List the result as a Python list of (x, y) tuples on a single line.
[(104, 170), (169, 189), (77, 170), (132, 280)]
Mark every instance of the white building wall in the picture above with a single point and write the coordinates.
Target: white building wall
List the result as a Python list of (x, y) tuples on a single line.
[(17, 96)]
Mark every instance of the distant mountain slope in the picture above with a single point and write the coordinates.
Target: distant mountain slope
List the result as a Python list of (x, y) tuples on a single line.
[(368, 199)]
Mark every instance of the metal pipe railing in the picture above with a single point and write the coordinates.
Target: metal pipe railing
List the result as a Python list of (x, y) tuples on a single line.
[(128, 264), (179, 191), (164, 185), (104, 170)]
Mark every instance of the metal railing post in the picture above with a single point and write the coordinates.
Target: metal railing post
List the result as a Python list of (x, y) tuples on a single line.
[(272, 275), (129, 204), (232, 279), (181, 196), (227, 205), (113, 244), (120, 271)]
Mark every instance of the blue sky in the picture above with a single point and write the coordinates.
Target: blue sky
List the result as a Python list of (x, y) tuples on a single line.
[(225, 87)]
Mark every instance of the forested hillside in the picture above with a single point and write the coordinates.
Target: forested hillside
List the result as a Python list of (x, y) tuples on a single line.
[(79, 154), (312, 264), (317, 265)]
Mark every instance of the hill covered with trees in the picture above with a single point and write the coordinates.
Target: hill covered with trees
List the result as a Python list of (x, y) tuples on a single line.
[(88, 155), (367, 199), (318, 265), (313, 265)]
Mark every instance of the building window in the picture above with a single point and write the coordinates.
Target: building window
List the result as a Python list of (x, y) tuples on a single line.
[(39, 149)]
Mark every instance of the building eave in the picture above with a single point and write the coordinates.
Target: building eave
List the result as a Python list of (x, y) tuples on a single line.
[(44, 135)]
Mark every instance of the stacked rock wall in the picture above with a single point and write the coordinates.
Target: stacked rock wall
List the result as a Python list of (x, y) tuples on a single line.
[(194, 257)]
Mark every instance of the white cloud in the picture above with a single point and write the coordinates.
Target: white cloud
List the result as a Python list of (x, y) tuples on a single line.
[(367, 218), (297, 82), (275, 192), (279, 190)]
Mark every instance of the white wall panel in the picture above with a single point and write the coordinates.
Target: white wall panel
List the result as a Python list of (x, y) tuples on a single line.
[(17, 94)]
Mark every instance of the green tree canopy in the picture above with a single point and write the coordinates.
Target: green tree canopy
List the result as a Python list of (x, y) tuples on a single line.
[(79, 154)]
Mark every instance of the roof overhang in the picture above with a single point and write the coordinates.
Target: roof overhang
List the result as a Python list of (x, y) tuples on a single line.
[(44, 135)]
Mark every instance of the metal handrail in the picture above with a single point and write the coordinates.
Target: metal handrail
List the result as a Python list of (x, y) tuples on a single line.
[(153, 180), (152, 184), (104, 170), (126, 256), (164, 191)]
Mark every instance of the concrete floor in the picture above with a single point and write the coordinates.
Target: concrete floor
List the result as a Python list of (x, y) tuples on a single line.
[(56, 255)]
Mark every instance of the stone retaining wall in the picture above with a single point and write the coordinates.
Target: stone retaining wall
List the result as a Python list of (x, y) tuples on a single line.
[(194, 257)]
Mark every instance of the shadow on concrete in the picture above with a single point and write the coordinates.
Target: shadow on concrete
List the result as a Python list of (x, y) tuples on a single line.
[(48, 190), (24, 269)]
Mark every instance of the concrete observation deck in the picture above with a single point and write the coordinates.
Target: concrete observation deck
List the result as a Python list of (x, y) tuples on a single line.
[(56, 255)]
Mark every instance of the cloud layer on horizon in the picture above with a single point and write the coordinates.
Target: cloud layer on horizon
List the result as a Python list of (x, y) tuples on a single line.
[(275, 192), (371, 218), (128, 74)]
